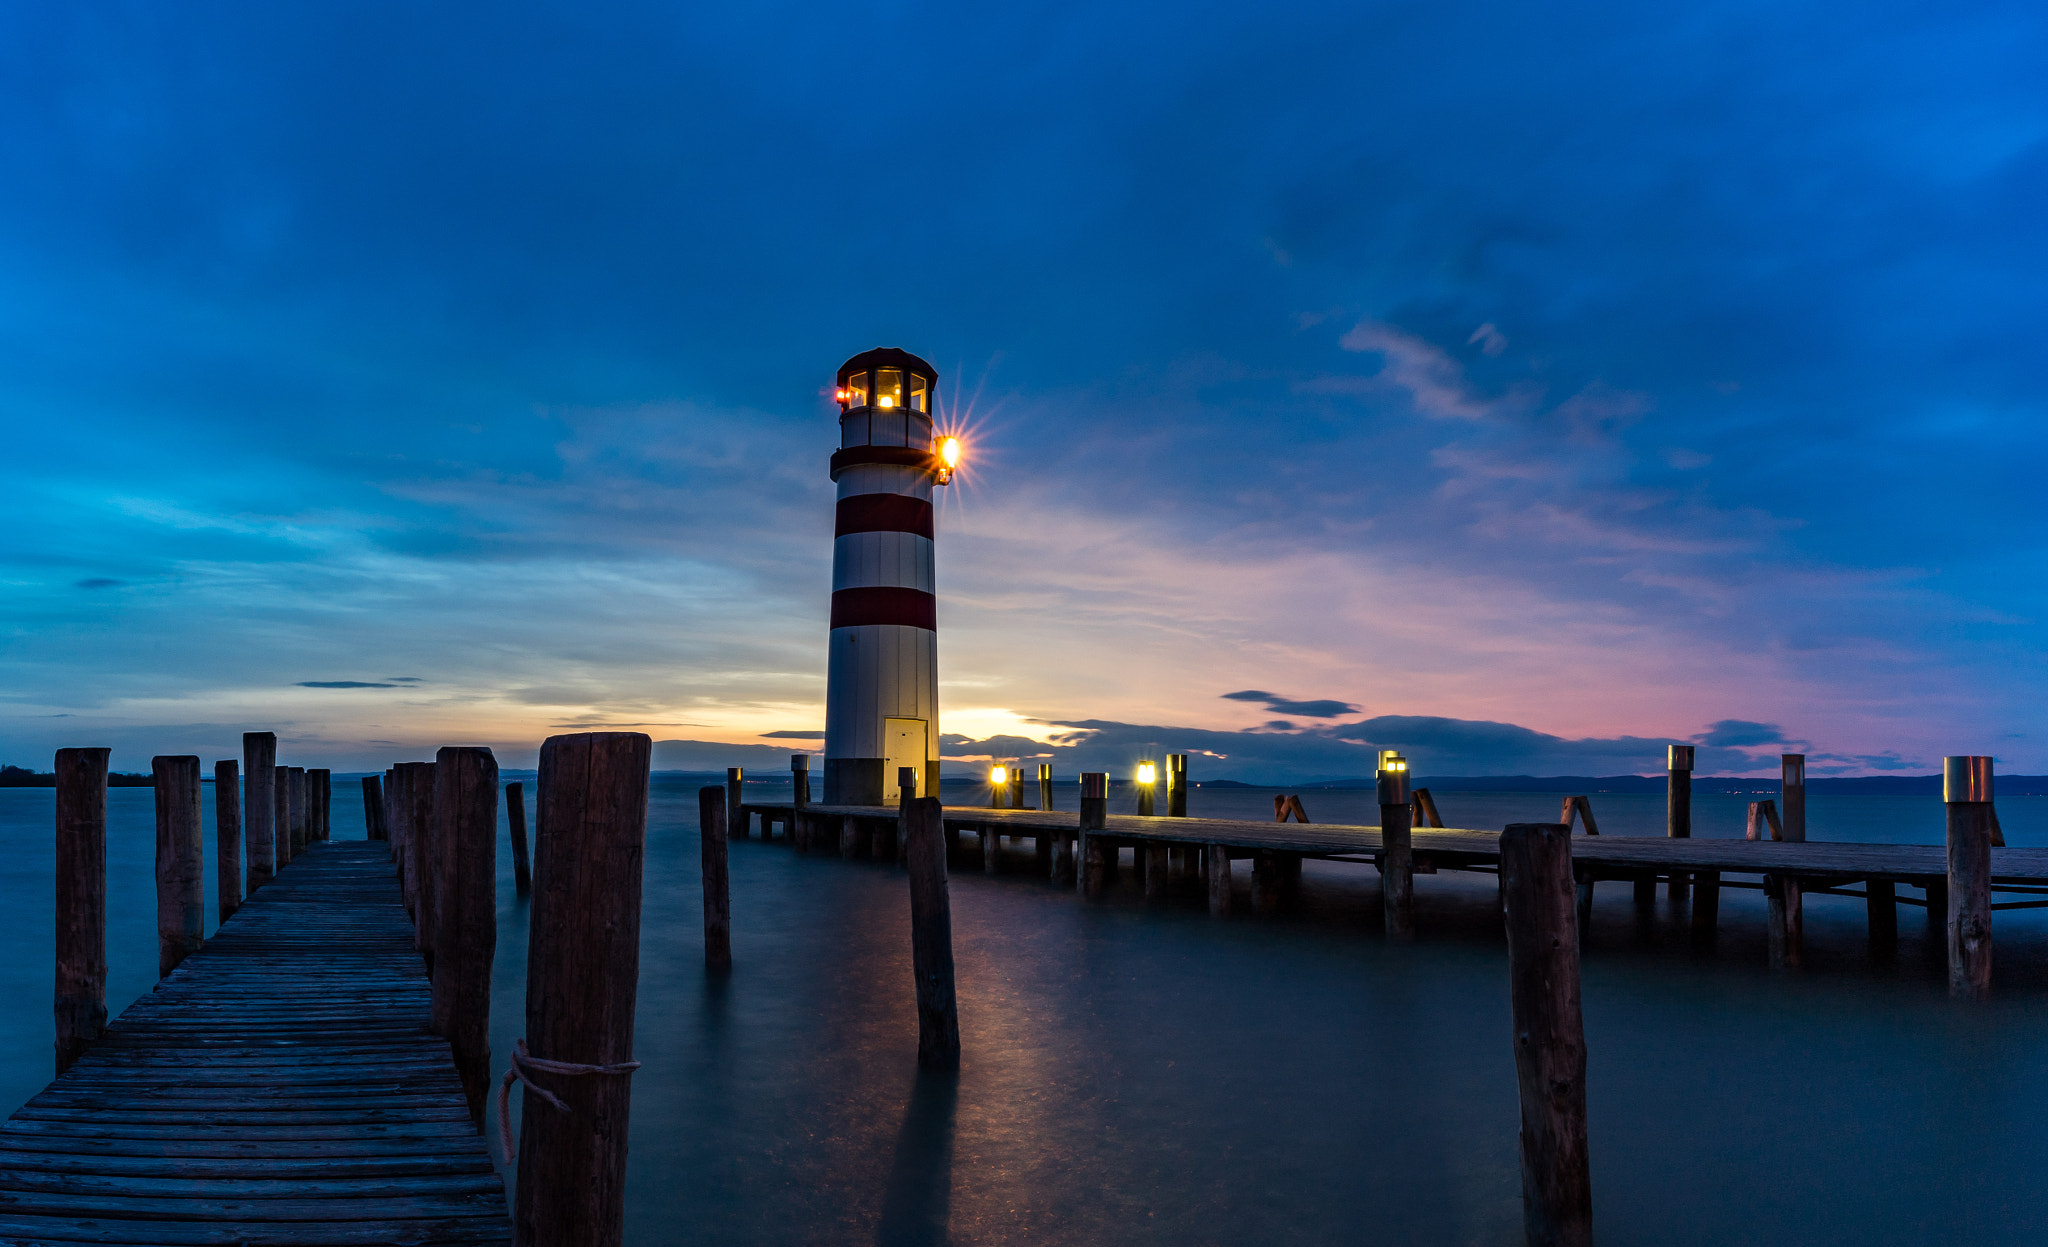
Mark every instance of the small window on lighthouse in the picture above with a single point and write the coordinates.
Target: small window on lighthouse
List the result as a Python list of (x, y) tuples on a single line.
[(917, 398), (888, 387), (856, 389)]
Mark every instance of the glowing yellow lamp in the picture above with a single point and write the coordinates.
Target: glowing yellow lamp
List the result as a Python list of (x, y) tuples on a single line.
[(885, 401), (949, 451), (998, 775), (1147, 773)]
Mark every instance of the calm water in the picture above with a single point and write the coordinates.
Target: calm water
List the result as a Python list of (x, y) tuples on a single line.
[(1141, 1073)]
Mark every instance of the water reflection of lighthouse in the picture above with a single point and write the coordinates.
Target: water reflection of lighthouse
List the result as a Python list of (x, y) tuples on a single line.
[(882, 682)]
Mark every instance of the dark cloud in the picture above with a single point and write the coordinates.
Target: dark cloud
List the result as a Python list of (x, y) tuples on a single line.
[(100, 582), (1324, 709), (793, 735), (1737, 733), (343, 684)]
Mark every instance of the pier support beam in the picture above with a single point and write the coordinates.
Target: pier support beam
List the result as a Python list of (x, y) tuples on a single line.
[(466, 912), (1549, 1033), (1219, 880), (1397, 852), (1094, 870), (180, 885), (81, 901), (583, 971), (1786, 921), (1706, 907), (1966, 788), (227, 836)]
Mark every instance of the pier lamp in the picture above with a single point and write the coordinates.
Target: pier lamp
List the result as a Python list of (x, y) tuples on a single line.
[(948, 454), (1393, 779), (1148, 779), (997, 777)]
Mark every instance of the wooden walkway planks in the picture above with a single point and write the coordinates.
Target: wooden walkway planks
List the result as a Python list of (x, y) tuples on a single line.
[(1625, 856), (280, 1087)]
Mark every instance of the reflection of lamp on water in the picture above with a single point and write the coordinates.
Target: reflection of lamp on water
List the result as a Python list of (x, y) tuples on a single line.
[(1148, 778), (997, 777)]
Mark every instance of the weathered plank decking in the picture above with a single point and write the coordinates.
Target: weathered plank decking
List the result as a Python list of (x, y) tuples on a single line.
[(1617, 857), (278, 1087)]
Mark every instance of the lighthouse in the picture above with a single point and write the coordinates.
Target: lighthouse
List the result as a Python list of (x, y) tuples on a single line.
[(882, 676)]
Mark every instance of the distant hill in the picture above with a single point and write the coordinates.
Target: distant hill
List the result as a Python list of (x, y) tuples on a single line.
[(1867, 785)]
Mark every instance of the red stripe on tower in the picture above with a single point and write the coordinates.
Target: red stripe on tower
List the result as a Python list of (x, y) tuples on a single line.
[(884, 513), (908, 608)]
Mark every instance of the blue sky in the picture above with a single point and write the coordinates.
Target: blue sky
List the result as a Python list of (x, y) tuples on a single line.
[(1539, 385)]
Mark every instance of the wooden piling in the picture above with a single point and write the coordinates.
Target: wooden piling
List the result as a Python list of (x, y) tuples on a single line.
[(320, 803), (1176, 785), (735, 809), (259, 806), (583, 967), (1397, 863), (1706, 907), (1678, 805), (425, 850), (1145, 794), (717, 880), (227, 836), (398, 808), (298, 809), (1094, 870), (180, 883), (1425, 810), (799, 781), (849, 836), (1157, 870), (282, 804), (1787, 916), (515, 820), (1045, 785), (81, 980), (931, 936), (1549, 1030), (466, 912), (1219, 880), (374, 826), (908, 780), (391, 840), (1966, 790)]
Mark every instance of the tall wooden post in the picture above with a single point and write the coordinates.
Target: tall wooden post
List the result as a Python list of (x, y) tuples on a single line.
[(389, 776), (1176, 785), (227, 836), (180, 883), (282, 792), (1045, 786), (515, 820), (735, 804), (466, 935), (374, 825), (799, 785), (81, 901), (1678, 805), (717, 881), (583, 969), (300, 810), (931, 937), (1550, 1036), (1093, 870), (259, 806), (1146, 788), (907, 781), (1966, 789), (398, 804), (424, 847), (1786, 919), (320, 803), (1397, 853)]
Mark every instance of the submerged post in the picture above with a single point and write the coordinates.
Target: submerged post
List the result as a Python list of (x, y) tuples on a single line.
[(227, 836), (1678, 805), (931, 937), (735, 812), (1550, 1036), (259, 806), (374, 825), (180, 887), (81, 901), (1094, 869), (515, 821), (717, 882), (1397, 852), (1966, 789), (583, 969), (466, 938)]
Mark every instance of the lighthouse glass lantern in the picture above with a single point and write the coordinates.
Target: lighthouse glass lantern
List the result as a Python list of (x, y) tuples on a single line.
[(881, 694)]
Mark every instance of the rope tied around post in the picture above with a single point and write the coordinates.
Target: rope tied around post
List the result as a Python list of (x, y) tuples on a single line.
[(522, 1062)]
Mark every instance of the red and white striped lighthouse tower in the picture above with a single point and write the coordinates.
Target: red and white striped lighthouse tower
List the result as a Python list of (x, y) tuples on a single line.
[(882, 681)]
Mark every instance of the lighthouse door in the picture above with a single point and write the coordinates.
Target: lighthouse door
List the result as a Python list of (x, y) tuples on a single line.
[(903, 744)]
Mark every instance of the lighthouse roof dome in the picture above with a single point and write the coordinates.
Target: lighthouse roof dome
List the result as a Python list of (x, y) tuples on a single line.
[(886, 357)]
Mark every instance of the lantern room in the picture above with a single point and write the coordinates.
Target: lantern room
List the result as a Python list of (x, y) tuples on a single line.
[(886, 398)]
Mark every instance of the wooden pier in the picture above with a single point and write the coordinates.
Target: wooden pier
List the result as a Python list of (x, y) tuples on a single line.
[(280, 1086), (1180, 847)]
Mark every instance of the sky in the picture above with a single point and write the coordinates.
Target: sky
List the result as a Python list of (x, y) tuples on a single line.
[(1521, 387)]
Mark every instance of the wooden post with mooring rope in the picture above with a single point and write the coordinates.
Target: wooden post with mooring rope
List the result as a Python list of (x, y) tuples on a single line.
[(466, 913)]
